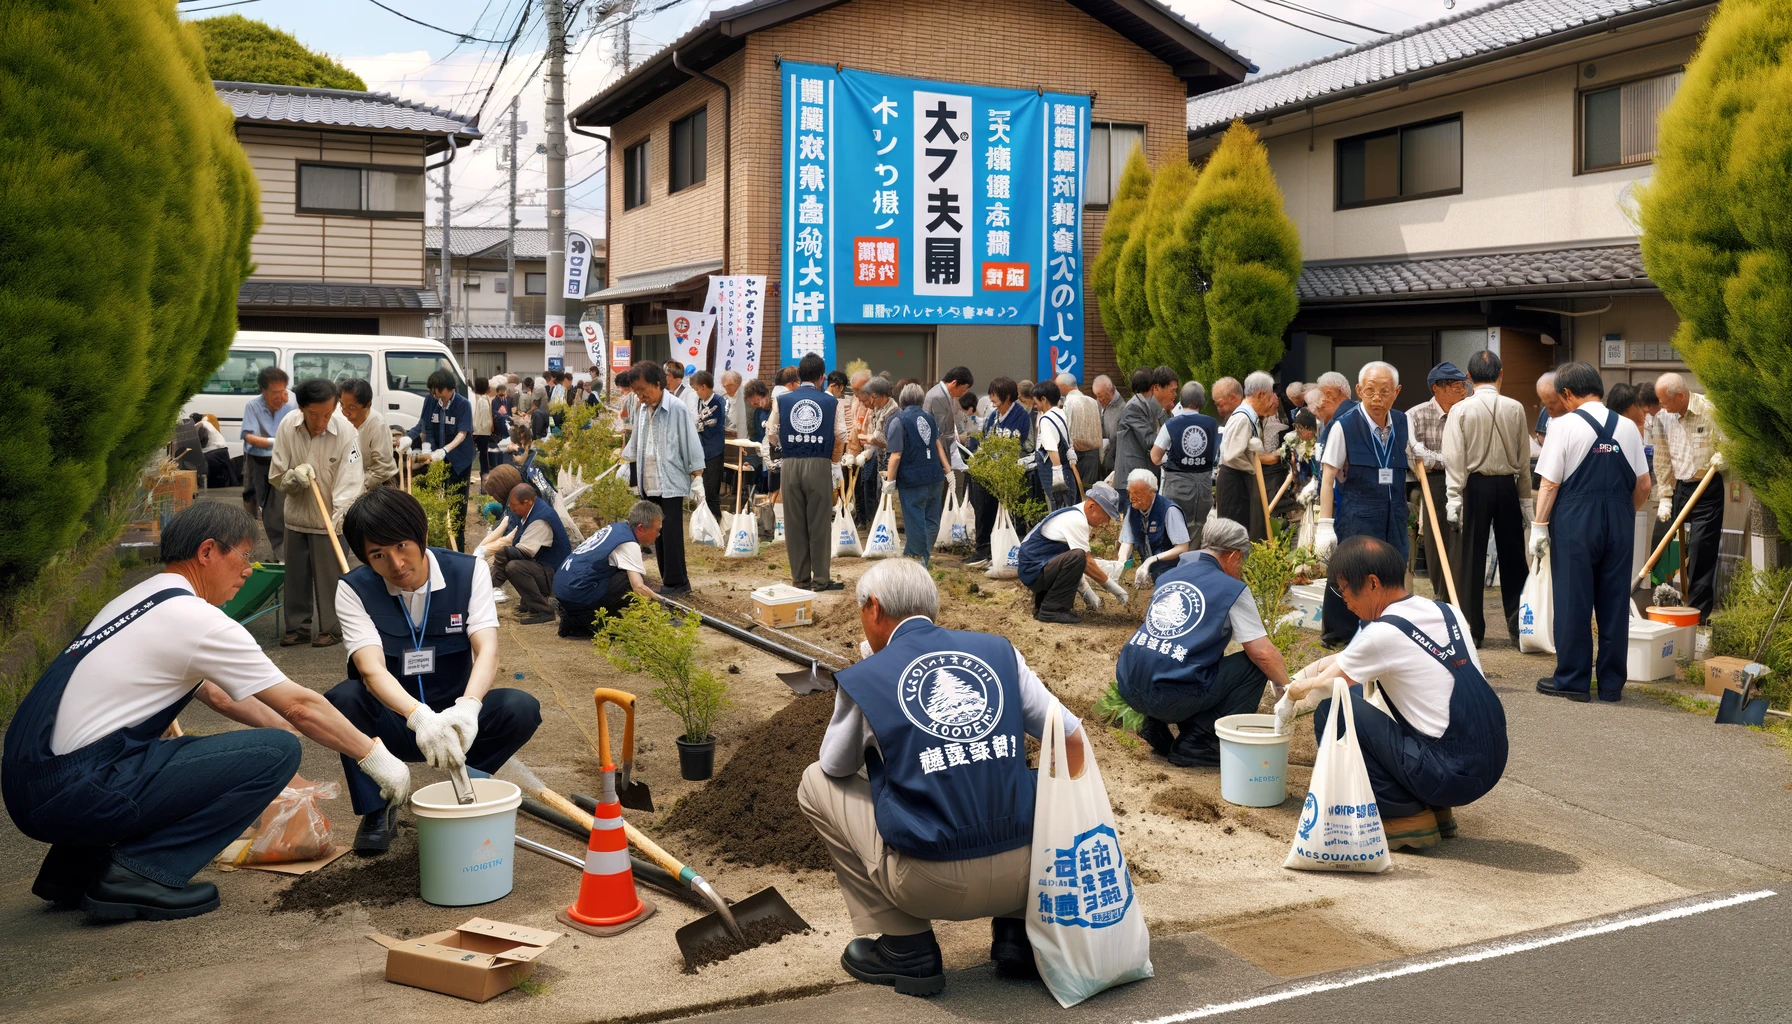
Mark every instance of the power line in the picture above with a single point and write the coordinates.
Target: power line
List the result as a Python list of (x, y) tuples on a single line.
[(1290, 24), (1321, 14), (465, 37), (236, 3)]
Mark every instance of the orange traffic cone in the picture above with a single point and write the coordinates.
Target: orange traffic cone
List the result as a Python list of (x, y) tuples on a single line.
[(607, 903)]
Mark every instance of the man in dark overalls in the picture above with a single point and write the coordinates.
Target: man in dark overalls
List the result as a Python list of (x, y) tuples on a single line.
[(1441, 742), (1363, 491), (421, 632), (1594, 481), (132, 816)]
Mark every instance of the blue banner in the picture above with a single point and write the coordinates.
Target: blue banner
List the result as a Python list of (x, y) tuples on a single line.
[(917, 202)]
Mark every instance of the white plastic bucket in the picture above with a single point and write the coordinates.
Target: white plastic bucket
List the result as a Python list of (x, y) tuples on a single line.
[(466, 854), (1253, 760)]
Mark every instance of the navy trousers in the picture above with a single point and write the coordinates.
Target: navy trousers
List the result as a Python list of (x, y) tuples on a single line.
[(1398, 779), (1595, 539), (1237, 690), (507, 718)]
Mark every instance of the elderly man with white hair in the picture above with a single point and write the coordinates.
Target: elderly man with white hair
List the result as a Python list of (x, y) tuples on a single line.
[(940, 824), (1187, 447), (1108, 398), (1153, 526), (1175, 667), (1363, 492), (1084, 416), (1690, 435), (1242, 443)]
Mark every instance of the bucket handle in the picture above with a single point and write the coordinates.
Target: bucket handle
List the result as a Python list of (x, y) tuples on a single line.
[(625, 701)]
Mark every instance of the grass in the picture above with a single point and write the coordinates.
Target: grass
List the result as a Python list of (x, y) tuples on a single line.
[(1675, 699), (529, 986)]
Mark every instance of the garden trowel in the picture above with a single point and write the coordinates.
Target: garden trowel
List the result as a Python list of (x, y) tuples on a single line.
[(634, 795)]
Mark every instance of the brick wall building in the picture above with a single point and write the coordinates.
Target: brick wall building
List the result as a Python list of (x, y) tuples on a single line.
[(1135, 58)]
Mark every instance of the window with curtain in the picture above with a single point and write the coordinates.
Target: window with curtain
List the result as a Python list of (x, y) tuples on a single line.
[(1110, 145), (366, 191), (1409, 162), (634, 175), (690, 150), (1617, 124)]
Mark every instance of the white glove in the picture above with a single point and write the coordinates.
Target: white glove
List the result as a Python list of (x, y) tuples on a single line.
[(404, 442), (838, 478), (1325, 538), (1717, 461), (496, 542), (1539, 540), (1453, 510), (1528, 506), (697, 491), (388, 772), (1255, 445), (1057, 478), (1310, 493), (1284, 711), (1113, 587), (889, 486), (1666, 511), (302, 474), (1086, 591), (1143, 575), (436, 738), (438, 455), (505, 445), (463, 718), (1026, 462), (957, 461), (864, 457)]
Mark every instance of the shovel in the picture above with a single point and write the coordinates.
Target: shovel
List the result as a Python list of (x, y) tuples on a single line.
[(815, 680), (1735, 707), (634, 795)]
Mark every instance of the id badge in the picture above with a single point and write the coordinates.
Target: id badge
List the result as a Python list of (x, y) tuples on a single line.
[(1386, 476), (420, 663)]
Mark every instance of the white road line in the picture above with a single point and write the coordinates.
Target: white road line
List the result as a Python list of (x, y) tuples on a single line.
[(1603, 927)]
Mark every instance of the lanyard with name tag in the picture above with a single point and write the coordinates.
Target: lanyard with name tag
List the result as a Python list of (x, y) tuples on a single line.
[(420, 660), (1383, 452)]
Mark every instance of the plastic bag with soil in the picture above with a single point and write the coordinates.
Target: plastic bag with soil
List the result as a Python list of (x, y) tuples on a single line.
[(292, 828)]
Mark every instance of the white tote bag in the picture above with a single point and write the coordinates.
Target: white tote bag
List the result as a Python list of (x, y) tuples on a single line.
[(1340, 824), (1083, 916), (704, 528), (965, 530), (1004, 548), (743, 536), (881, 542), (846, 532), (948, 518), (1536, 611)]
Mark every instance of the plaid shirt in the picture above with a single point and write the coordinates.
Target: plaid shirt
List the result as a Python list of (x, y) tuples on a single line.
[(1685, 443), (1425, 423)]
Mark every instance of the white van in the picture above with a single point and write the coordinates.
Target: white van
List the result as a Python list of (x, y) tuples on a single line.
[(397, 368)]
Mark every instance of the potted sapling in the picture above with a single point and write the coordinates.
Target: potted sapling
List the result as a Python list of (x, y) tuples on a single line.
[(647, 638)]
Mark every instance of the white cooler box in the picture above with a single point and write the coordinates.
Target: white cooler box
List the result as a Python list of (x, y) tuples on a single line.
[(782, 605), (1653, 648), (1309, 600)]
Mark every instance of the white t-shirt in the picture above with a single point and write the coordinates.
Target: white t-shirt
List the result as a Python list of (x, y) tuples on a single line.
[(1051, 429), (1570, 438), (1416, 683), (154, 661), (627, 557), (1174, 525), (1072, 528), (358, 630)]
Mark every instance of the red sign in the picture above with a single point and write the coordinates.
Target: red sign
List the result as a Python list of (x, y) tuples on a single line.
[(556, 331), (681, 325), (1006, 277), (874, 262)]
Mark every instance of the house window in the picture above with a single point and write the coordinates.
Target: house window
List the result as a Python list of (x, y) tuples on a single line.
[(634, 175), (1110, 146), (1617, 125), (360, 191), (1413, 161), (690, 150), (535, 284)]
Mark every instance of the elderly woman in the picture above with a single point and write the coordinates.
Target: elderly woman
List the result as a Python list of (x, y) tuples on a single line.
[(1153, 525), (1175, 668), (1008, 417), (1441, 742), (917, 473)]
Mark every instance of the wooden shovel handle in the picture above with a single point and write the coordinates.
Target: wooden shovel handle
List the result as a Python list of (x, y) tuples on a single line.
[(1437, 529), (1674, 530), (329, 524), (640, 842), (1262, 490)]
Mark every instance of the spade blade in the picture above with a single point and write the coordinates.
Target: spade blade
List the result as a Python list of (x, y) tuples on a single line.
[(813, 679), (636, 797)]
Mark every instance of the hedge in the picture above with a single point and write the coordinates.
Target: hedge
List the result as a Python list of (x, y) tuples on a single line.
[(239, 49)]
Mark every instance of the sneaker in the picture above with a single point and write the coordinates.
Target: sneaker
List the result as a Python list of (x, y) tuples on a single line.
[(1413, 832), (978, 563), (499, 596), (535, 620), (1547, 685), (829, 585), (910, 964), (1010, 948)]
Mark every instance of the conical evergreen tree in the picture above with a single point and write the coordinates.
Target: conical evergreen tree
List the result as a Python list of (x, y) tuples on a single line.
[(1128, 204)]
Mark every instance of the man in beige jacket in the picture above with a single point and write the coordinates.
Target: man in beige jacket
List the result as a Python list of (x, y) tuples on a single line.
[(379, 468), (317, 448)]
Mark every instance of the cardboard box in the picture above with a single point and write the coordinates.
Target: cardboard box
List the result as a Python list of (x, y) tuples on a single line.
[(783, 605), (1724, 674), (476, 961)]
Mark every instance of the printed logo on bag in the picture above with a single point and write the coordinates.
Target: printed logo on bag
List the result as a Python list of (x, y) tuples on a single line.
[(1088, 886), (1194, 440), (805, 416), (1309, 816), (951, 695), (1175, 609)]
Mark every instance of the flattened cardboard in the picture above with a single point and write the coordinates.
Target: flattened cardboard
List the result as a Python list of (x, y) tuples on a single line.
[(226, 861), (478, 960)]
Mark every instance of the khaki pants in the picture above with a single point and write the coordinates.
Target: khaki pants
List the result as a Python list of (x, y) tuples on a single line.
[(888, 893), (311, 575)]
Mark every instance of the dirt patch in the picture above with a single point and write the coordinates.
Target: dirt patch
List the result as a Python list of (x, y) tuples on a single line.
[(1186, 802), (383, 881), (748, 813), (763, 932), (1290, 945)]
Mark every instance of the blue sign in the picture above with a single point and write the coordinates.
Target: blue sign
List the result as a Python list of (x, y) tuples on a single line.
[(917, 202)]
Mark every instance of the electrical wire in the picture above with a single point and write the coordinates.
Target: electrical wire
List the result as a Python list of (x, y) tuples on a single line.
[(466, 37), (235, 3), (1290, 24), (1310, 12)]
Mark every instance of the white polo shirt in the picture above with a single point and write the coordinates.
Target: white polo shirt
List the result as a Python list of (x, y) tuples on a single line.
[(358, 630), (1417, 683), (1571, 437)]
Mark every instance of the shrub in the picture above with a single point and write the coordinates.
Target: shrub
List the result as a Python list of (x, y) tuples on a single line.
[(587, 444), (1737, 628), (126, 210), (1717, 233), (1129, 202), (444, 508), (646, 638), (996, 468), (1269, 572), (239, 49)]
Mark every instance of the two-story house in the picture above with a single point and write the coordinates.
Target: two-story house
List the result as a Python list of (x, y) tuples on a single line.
[(483, 289), (1469, 183), (340, 248)]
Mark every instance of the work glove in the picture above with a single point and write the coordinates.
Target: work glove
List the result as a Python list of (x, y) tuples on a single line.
[(404, 442), (697, 492), (1143, 575), (839, 478), (1325, 538), (302, 474), (1310, 493), (1284, 712), (436, 738), (1255, 445), (438, 455), (387, 772), (1025, 462), (504, 446), (1528, 506), (1113, 587), (463, 718), (496, 542), (1539, 545), (1086, 591), (1666, 511), (889, 486), (1717, 461), (1057, 478), (1453, 510)]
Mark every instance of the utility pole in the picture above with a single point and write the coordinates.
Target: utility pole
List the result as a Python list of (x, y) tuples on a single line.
[(555, 118), (510, 249), (624, 47)]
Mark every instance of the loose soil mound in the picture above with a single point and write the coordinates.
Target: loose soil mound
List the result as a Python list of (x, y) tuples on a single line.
[(383, 881), (1186, 802), (748, 812)]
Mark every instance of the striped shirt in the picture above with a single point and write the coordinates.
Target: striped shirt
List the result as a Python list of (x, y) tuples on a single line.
[(1684, 444)]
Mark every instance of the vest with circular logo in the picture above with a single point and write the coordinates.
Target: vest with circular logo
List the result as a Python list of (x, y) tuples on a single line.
[(920, 465), (1185, 630), (585, 575), (806, 423), (1194, 437), (1151, 531)]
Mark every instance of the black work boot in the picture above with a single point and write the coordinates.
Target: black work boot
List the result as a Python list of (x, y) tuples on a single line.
[(374, 836), (1010, 948), (1158, 735), (121, 894), (1195, 751), (67, 871), (909, 963)]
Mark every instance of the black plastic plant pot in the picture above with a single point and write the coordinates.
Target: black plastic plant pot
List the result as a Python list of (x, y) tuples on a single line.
[(696, 761)]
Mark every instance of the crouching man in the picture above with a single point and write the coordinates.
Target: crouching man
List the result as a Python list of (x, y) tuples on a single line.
[(421, 632), (600, 574), (1055, 563), (922, 792)]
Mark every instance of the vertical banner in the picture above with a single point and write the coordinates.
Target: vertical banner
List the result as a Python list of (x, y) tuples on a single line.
[(556, 342), (620, 354), (578, 264), (917, 202), (737, 305), (593, 334), (688, 330)]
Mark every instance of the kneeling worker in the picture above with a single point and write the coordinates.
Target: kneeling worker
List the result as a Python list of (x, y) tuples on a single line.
[(422, 637), (600, 574), (942, 829), (527, 556), (1054, 558), (1154, 525), (1175, 667), (1444, 743), (131, 817)]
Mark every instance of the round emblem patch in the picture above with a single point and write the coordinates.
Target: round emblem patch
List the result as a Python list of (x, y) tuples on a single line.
[(951, 695), (805, 416), (924, 430), (1194, 440), (1175, 609)]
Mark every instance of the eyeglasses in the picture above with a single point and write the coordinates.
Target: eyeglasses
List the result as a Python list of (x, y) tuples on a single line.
[(1376, 390), (242, 556)]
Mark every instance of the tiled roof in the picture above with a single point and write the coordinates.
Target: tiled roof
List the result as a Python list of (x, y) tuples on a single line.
[(531, 243), (259, 294), (1601, 268), (341, 108), (500, 332), (1432, 48)]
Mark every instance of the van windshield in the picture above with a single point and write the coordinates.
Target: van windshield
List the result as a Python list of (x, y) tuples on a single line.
[(237, 375), (409, 371), (336, 366)]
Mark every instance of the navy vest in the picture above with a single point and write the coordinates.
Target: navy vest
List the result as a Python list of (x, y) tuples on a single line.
[(949, 780), (1185, 631), (445, 627), (1194, 441), (1151, 532), (1016, 423), (438, 425), (555, 551), (1042, 462), (806, 423), (1038, 549), (1364, 505), (710, 437), (585, 574), (920, 465)]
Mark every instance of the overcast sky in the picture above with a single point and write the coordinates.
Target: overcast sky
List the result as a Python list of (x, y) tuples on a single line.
[(421, 64)]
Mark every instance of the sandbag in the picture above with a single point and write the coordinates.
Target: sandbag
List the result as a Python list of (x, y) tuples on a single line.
[(1340, 823), (882, 541), (846, 532), (743, 535), (1536, 610), (1004, 548)]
